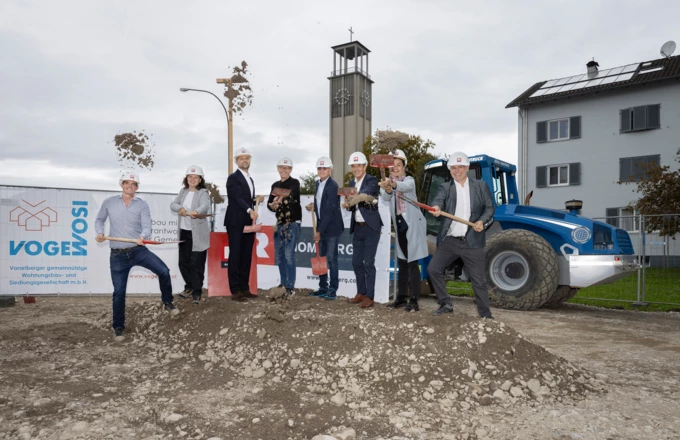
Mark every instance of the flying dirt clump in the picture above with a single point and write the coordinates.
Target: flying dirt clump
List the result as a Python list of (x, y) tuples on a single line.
[(135, 149)]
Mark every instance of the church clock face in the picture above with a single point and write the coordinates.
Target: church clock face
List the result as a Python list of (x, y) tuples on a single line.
[(342, 96), (365, 98)]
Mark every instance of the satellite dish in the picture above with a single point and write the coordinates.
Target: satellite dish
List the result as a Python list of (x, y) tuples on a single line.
[(668, 48)]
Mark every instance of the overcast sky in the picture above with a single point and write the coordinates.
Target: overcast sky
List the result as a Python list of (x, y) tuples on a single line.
[(76, 73)]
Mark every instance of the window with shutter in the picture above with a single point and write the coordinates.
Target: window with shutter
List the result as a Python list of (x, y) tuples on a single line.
[(632, 168), (644, 117), (559, 175)]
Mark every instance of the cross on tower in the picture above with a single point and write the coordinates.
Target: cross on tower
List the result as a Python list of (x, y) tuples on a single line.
[(351, 33)]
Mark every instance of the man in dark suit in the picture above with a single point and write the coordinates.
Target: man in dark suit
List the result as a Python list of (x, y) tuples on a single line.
[(471, 200), (365, 226), (240, 212), (329, 226)]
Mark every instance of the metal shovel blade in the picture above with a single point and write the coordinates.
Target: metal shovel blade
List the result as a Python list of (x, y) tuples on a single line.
[(281, 192), (382, 160), (319, 264)]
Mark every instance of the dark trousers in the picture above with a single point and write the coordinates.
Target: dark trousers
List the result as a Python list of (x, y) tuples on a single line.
[(365, 245), (240, 257), (409, 273), (328, 247), (191, 264), (121, 263), (447, 252)]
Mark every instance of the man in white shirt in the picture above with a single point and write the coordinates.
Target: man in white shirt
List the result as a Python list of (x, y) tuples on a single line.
[(471, 200), (365, 226), (240, 212)]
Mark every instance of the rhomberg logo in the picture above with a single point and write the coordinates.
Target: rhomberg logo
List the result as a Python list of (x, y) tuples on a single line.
[(33, 217)]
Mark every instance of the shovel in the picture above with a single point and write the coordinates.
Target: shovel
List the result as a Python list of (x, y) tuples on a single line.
[(254, 227), (319, 264), (382, 161), (132, 240), (347, 191), (431, 209)]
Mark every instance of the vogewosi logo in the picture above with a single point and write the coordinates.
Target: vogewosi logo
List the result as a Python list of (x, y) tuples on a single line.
[(76, 246), (33, 217)]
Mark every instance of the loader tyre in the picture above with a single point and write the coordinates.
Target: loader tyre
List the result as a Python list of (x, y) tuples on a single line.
[(521, 270), (562, 294)]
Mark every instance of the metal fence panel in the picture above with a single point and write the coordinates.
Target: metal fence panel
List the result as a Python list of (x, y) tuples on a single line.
[(658, 279)]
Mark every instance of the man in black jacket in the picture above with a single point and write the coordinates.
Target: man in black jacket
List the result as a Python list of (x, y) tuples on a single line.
[(470, 200), (288, 222), (329, 226), (240, 212)]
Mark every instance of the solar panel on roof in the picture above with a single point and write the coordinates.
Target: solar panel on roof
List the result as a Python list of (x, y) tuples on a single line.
[(625, 76), (629, 68), (608, 80), (538, 92)]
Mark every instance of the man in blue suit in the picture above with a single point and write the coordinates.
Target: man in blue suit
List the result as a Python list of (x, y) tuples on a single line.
[(365, 226), (240, 212), (329, 226)]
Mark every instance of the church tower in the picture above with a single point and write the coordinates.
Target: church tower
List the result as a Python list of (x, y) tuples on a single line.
[(350, 105)]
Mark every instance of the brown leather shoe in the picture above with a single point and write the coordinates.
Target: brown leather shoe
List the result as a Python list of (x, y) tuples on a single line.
[(238, 296), (366, 303), (246, 294), (357, 299)]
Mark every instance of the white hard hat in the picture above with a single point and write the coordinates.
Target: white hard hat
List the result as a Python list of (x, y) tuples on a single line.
[(128, 175), (357, 158), (195, 169), (458, 158), (285, 162), (242, 152), (324, 162), (398, 154)]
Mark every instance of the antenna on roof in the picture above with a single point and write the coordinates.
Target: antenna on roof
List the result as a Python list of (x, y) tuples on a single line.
[(668, 48)]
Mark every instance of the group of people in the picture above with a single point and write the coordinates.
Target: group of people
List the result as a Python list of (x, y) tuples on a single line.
[(129, 217)]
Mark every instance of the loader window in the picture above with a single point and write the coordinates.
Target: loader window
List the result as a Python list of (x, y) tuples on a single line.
[(498, 186), (432, 181)]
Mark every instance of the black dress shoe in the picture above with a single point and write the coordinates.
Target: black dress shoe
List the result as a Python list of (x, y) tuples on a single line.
[(246, 294), (238, 296), (411, 307), (443, 310), (397, 304)]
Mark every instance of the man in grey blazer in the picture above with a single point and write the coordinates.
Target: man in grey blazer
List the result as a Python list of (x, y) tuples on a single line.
[(471, 200)]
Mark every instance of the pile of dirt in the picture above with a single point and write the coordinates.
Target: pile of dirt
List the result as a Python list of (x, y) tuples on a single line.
[(321, 365)]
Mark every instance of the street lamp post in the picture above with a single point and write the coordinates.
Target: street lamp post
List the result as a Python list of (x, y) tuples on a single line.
[(228, 113)]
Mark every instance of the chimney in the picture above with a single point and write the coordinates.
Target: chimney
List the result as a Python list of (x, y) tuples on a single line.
[(592, 68)]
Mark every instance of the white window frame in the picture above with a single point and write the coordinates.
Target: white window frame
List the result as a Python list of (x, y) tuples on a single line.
[(547, 177), (558, 121), (630, 216)]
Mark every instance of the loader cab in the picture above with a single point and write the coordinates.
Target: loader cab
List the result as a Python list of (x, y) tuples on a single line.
[(498, 175)]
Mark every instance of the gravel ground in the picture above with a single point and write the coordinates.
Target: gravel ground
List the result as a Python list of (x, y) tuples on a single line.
[(304, 368)]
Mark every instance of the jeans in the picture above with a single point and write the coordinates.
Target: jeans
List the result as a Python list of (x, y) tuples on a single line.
[(191, 264), (285, 240), (121, 263), (365, 245), (328, 247)]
